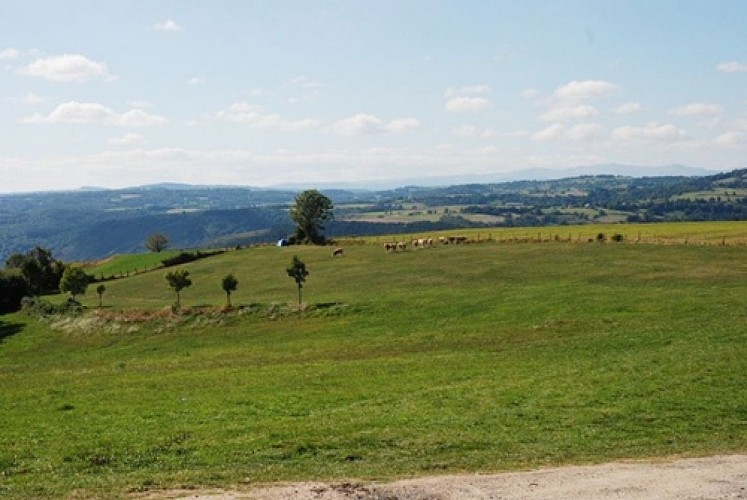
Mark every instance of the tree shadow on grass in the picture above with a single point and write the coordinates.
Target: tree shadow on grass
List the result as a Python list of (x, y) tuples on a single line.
[(7, 330)]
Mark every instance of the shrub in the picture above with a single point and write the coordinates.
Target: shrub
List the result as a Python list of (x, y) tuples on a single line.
[(12, 290), (617, 237), (185, 257), (39, 307)]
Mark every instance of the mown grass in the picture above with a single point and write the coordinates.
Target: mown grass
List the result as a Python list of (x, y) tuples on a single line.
[(477, 357)]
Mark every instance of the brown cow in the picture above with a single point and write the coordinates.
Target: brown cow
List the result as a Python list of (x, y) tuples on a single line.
[(337, 252)]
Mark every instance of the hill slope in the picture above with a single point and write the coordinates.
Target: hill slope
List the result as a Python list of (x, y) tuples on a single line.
[(458, 358)]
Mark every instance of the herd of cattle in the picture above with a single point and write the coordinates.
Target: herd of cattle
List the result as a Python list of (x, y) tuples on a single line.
[(424, 242), (394, 246)]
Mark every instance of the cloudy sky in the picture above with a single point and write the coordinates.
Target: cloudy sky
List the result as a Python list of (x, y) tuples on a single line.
[(121, 93)]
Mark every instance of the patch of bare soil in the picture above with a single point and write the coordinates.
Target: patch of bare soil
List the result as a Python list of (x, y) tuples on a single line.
[(719, 477)]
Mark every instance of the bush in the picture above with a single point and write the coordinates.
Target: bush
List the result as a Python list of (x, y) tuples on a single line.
[(12, 290), (185, 257), (617, 237), (39, 307)]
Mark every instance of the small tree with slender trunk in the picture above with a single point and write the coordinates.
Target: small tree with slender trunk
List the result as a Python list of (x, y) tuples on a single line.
[(298, 272), (178, 280), (100, 292), (229, 285)]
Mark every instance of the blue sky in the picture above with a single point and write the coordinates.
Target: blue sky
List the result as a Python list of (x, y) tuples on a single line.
[(122, 93)]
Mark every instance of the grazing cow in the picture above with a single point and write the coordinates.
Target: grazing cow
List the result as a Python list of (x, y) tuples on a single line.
[(443, 240), (401, 245), (390, 246), (337, 252)]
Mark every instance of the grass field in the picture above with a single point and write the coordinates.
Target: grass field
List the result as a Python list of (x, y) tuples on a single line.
[(122, 265), (677, 233), (455, 358)]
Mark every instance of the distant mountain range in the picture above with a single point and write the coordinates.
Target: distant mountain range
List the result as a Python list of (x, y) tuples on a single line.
[(531, 174)]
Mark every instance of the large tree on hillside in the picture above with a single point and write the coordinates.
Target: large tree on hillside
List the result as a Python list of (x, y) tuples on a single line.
[(157, 242), (310, 211), (39, 269), (75, 281)]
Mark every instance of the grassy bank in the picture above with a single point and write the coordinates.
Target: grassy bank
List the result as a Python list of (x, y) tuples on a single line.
[(456, 358)]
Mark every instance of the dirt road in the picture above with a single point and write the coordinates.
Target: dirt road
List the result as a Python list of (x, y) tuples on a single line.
[(719, 477)]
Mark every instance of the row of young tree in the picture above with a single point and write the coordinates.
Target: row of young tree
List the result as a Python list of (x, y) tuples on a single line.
[(75, 282), (179, 280)]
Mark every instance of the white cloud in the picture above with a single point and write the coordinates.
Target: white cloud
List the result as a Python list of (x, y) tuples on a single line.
[(32, 99), (516, 134), (167, 25), (629, 108), (741, 124), (195, 80), (140, 104), (466, 104), (697, 109), (529, 94), (472, 131), (9, 53), (402, 125), (137, 118), (550, 133), (585, 89), (565, 113), (467, 90), (651, 132), (584, 131), (73, 68), (256, 117), (364, 124), (486, 151), (444, 148), (306, 83), (731, 139), (732, 67), (29, 99), (360, 124), (580, 132), (465, 131), (128, 140), (95, 113)]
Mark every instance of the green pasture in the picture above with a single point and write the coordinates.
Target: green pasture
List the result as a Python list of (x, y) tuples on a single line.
[(677, 233), (457, 358), (122, 265), (726, 195)]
